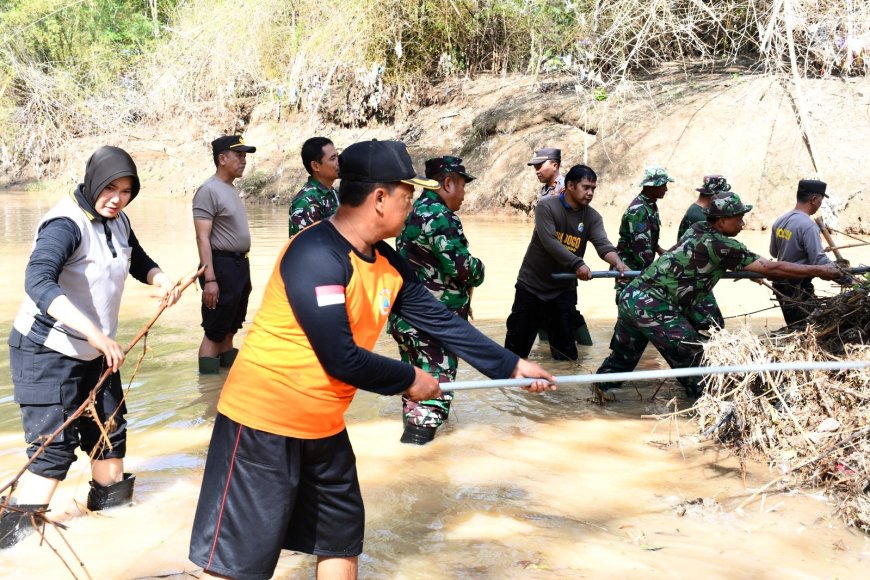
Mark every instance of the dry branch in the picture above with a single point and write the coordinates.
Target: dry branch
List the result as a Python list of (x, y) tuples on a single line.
[(813, 427), (89, 401)]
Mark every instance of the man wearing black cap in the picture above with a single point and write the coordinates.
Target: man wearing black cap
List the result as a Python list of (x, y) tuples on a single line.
[(281, 473), (794, 238), (435, 246), (223, 240), (546, 162)]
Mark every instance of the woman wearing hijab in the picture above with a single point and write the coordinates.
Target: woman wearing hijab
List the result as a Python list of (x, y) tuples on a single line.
[(63, 338)]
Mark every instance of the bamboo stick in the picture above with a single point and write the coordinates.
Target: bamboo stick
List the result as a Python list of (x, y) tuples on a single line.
[(846, 247), (89, 400), (826, 233)]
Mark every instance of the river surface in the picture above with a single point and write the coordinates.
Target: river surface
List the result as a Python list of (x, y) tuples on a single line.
[(514, 485)]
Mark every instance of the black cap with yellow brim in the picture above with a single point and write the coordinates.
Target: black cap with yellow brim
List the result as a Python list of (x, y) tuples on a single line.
[(231, 142)]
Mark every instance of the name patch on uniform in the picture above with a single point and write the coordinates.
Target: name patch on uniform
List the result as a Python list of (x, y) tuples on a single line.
[(329, 295)]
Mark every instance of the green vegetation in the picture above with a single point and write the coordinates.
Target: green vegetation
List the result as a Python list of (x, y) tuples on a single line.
[(65, 66), (255, 184), (83, 67)]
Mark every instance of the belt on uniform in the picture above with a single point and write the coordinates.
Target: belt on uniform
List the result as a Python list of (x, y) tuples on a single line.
[(225, 254)]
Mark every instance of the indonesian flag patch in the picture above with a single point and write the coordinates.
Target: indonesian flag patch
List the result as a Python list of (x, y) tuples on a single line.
[(329, 295)]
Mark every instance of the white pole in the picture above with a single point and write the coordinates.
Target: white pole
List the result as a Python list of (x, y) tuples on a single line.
[(663, 374)]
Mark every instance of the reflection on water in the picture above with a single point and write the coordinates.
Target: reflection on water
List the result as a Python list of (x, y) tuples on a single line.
[(513, 486)]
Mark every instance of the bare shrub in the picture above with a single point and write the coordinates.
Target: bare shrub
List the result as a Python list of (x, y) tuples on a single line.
[(365, 61)]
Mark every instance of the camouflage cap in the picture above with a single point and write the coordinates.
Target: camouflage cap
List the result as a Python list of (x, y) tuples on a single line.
[(714, 184), (726, 205), (655, 177), (447, 164)]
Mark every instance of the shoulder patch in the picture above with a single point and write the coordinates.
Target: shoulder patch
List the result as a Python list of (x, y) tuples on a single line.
[(329, 295)]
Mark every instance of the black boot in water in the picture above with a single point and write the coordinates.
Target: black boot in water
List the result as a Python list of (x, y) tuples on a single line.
[(16, 523), (209, 365), (228, 357), (418, 434), (103, 497)]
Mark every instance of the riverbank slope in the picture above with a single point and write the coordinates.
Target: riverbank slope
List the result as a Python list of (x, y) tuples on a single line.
[(692, 121)]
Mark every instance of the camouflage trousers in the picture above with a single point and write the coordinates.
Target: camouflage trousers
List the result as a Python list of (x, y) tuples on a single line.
[(642, 320), (706, 314), (424, 353)]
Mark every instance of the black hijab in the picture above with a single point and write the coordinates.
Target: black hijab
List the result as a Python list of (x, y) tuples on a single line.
[(105, 166)]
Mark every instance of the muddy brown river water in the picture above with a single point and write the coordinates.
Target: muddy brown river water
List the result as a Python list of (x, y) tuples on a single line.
[(514, 486)]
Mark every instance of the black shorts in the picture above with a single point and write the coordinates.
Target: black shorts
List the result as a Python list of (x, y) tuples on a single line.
[(49, 387), (233, 275), (263, 492)]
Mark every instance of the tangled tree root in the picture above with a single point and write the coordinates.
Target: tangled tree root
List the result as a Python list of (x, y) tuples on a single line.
[(811, 426)]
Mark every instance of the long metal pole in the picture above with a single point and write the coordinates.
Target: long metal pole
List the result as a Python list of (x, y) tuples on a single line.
[(663, 374), (635, 273)]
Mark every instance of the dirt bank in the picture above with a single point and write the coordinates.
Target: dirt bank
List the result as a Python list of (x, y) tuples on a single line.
[(693, 122)]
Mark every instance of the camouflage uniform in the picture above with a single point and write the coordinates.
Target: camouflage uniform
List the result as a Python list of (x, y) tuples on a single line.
[(660, 306), (639, 233), (434, 244), (706, 314), (640, 227), (314, 202), (693, 215), (708, 308)]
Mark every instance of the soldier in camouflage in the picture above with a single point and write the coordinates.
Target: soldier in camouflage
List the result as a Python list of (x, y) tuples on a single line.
[(708, 309), (660, 305), (713, 184), (433, 242), (317, 200), (640, 226)]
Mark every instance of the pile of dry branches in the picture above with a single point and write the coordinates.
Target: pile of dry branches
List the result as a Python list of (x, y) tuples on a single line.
[(813, 427), (843, 320)]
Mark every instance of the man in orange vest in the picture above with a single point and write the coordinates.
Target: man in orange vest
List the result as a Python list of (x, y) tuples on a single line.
[(281, 473)]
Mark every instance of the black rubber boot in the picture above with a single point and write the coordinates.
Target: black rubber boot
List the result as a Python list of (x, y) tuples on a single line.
[(209, 365), (228, 357), (694, 393), (118, 494), (582, 336), (418, 434), (18, 524)]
